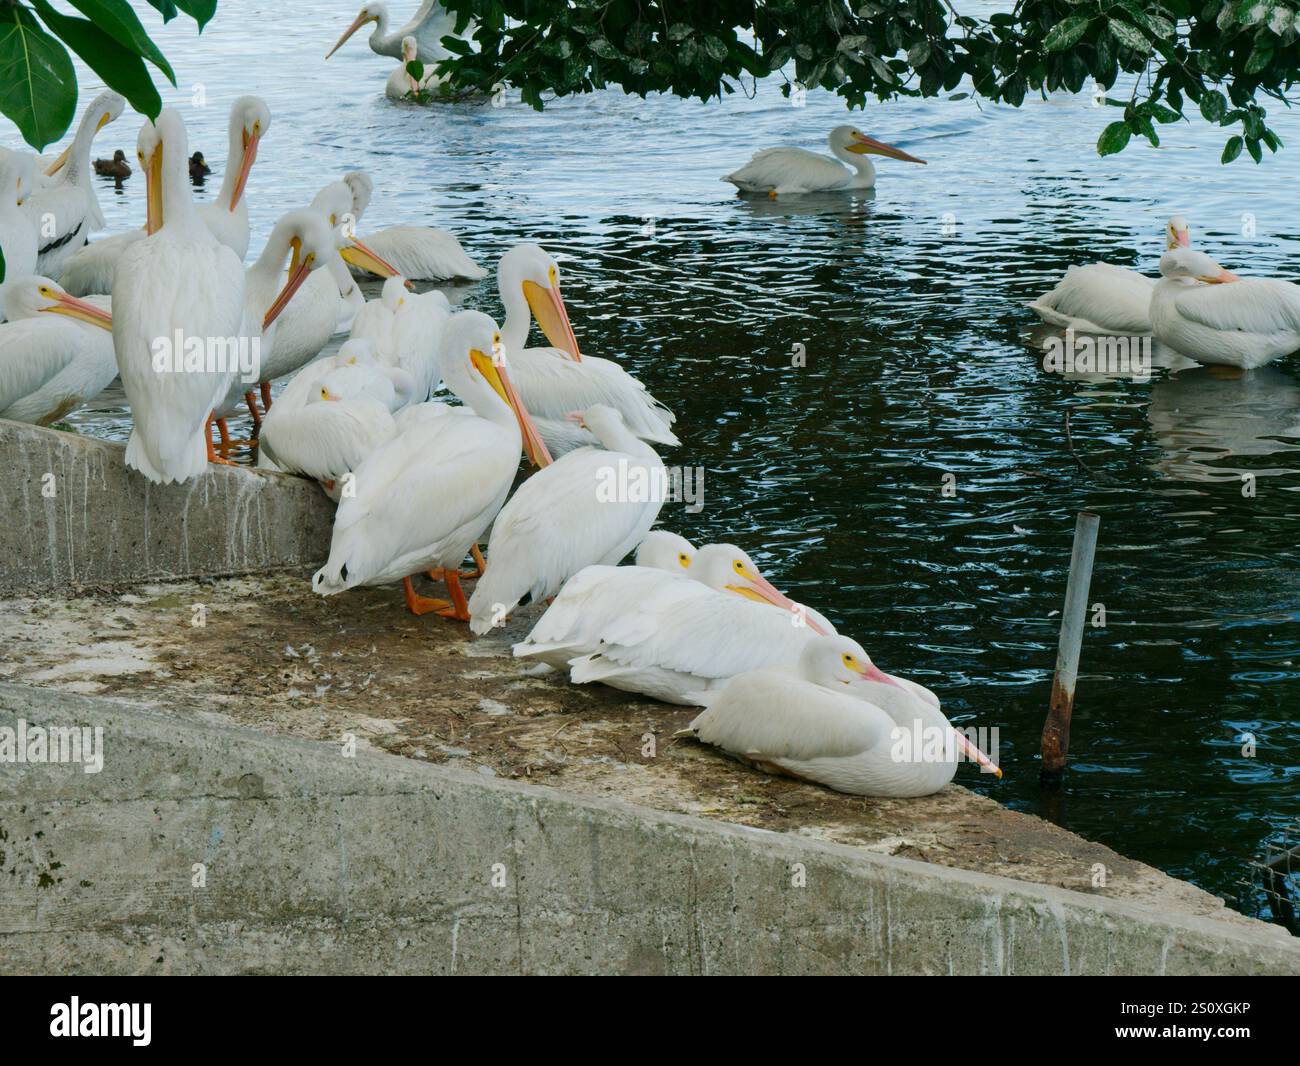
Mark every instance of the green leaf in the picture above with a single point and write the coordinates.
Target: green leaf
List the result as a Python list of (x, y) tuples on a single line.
[(716, 48), (1214, 105), (38, 84), (201, 11), (416, 70), (1114, 138), (679, 31), (603, 48), (1231, 150), (116, 18), (1066, 32), (918, 54), (1261, 56), (121, 69), (1128, 36), (164, 7), (1252, 146)]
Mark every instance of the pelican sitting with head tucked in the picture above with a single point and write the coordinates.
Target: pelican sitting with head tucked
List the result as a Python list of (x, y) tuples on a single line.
[(1245, 324), (837, 720), (558, 380), (91, 269), (56, 351), (1102, 298), (778, 171), (423, 499)]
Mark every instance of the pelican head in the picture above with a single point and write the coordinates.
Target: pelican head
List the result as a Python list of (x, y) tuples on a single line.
[(162, 148), (1178, 234), (1189, 266), (376, 13), (662, 550), (352, 382), (529, 269), (304, 238), (250, 118), (359, 351), (17, 173), (472, 355), (725, 568), (362, 187), (837, 661), (32, 296), (106, 107), (853, 140), (408, 49)]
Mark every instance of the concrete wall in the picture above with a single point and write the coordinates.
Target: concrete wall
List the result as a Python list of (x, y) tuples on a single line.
[(105, 523), (320, 863)]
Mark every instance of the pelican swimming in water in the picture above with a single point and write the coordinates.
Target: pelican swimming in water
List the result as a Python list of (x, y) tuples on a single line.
[(18, 234), (559, 380), (430, 24), (420, 253), (179, 280), (56, 351), (591, 506), (837, 720), (422, 500), (402, 83), (91, 269), (779, 171), (670, 631), (66, 210), (1103, 298), (1245, 323)]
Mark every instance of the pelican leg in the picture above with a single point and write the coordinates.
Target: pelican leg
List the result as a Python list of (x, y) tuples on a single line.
[(459, 606), (266, 395), (250, 398), (469, 575), (213, 457), (418, 604)]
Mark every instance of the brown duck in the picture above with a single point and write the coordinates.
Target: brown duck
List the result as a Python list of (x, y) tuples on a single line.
[(117, 167), (199, 168)]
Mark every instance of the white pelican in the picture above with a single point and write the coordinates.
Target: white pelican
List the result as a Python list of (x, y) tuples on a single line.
[(66, 210), (558, 380), (777, 171), (837, 720), (425, 498), (672, 634), (1102, 298), (178, 284), (406, 328), (90, 270), (591, 506), (303, 240), (1245, 324), (56, 351), (430, 24), (18, 240), (420, 253), (401, 83)]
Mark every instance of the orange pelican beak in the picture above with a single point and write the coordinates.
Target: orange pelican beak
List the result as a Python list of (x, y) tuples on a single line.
[(153, 192), (367, 259), (864, 145), (80, 309), (499, 378), (298, 272), (548, 308), (59, 163), (251, 142), (762, 590), (357, 23), (974, 754)]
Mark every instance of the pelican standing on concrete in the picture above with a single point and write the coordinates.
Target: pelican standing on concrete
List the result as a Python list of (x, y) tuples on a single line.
[(182, 289), (56, 351), (780, 171), (837, 720)]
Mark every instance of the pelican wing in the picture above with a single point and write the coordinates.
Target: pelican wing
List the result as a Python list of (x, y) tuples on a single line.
[(1251, 305), (32, 352), (776, 168), (422, 253), (768, 715), (1099, 298), (552, 386)]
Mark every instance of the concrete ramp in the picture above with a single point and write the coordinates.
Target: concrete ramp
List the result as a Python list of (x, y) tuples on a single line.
[(205, 848), (76, 515)]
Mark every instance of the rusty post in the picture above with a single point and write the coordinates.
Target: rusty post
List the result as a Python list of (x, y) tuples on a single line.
[(1056, 730)]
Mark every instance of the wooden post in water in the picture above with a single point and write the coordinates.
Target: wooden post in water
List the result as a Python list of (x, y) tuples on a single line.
[(1056, 730)]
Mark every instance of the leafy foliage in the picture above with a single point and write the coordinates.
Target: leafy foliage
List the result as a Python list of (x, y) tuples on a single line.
[(1218, 57), (38, 83)]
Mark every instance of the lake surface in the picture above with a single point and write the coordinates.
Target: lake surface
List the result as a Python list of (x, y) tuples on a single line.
[(921, 361)]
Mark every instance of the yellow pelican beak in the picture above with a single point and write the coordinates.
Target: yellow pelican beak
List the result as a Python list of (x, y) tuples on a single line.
[(153, 192), (251, 142), (974, 754), (367, 259), (499, 379), (357, 23), (298, 272), (757, 587), (864, 145), (548, 308), (80, 309), (59, 163), (1223, 277)]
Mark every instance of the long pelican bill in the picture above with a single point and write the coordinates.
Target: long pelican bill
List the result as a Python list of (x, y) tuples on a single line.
[(87, 312), (499, 378), (364, 258), (154, 192), (357, 23), (974, 754), (299, 269), (1223, 277), (251, 141), (548, 308), (864, 145), (59, 163), (763, 591)]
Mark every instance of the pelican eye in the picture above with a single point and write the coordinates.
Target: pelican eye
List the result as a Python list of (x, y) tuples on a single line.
[(684, 559), (739, 566), (324, 394)]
